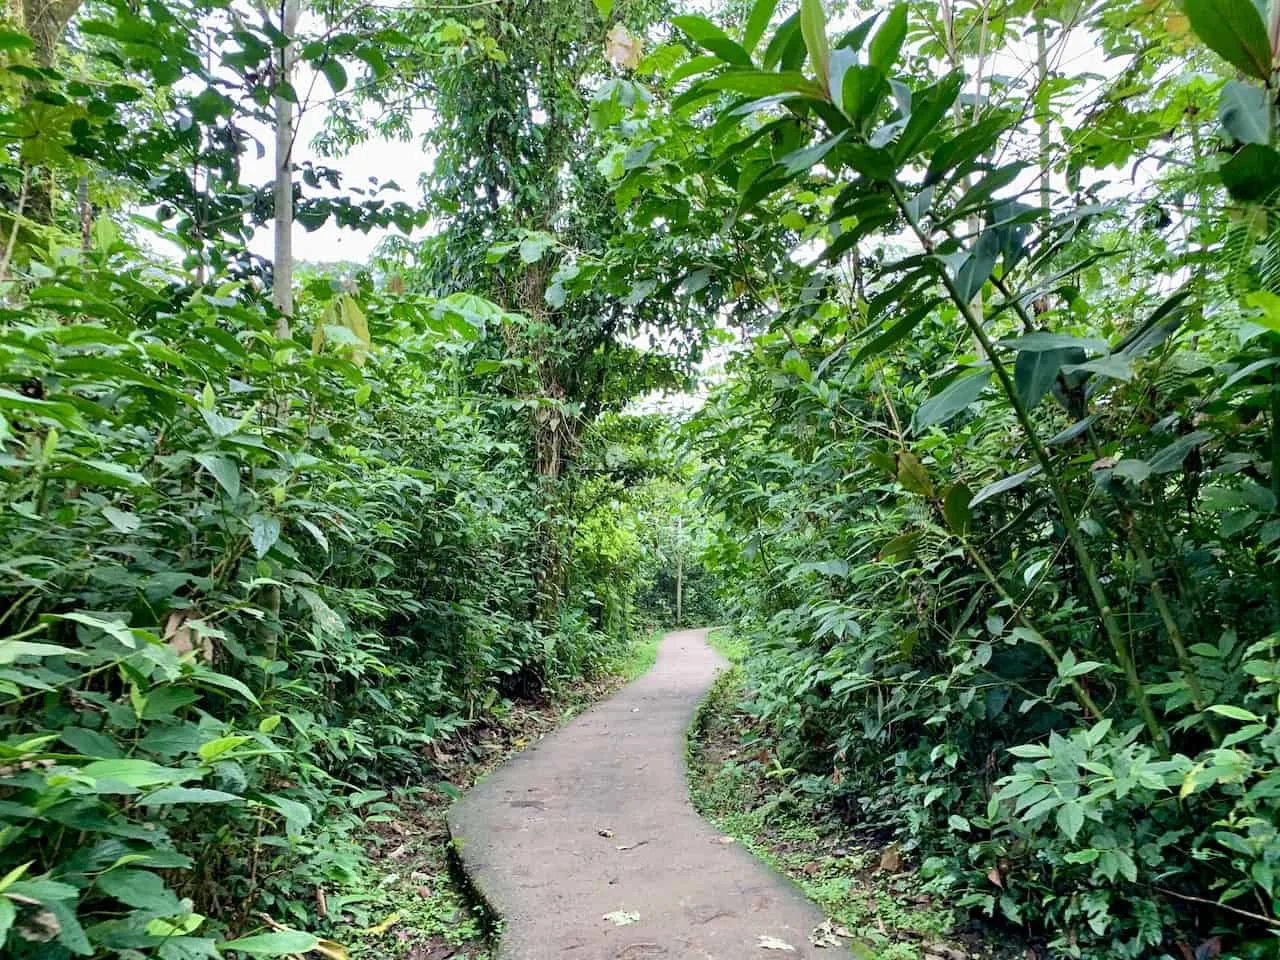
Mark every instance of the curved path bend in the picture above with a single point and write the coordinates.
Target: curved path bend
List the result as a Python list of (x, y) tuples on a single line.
[(587, 848)]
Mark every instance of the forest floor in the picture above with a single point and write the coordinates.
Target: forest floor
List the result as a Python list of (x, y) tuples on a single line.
[(411, 902), (868, 890)]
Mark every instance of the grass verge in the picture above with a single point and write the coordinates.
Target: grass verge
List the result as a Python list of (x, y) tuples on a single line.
[(726, 642), (858, 879), (639, 657)]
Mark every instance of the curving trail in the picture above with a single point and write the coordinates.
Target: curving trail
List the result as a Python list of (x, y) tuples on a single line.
[(541, 838)]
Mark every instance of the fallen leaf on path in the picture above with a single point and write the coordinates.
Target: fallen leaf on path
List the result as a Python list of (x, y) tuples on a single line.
[(379, 929), (725, 840), (621, 918), (605, 832), (773, 943), (331, 950), (890, 859), (828, 935)]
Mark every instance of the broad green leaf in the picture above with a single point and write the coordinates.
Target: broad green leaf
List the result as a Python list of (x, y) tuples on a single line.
[(900, 547), (11, 650), (786, 50), (604, 7), (115, 628), (955, 509), (1035, 372), (710, 37), (1043, 341), (1115, 366), (1003, 486), (887, 42), (1245, 112), (214, 749), (8, 913), (169, 796), (912, 475), (1234, 30), (335, 73), (278, 944), (799, 160), (172, 927), (122, 520), (927, 110), (1031, 751), (757, 22), (1170, 458), (141, 889), (1253, 174), (264, 531), (1070, 818), (861, 92), (203, 674), (297, 815), (762, 83), (1234, 713), (224, 470), (813, 26), (896, 332), (951, 400), (1268, 306), (135, 773)]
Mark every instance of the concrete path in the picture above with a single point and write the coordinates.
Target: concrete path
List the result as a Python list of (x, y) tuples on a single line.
[(593, 826)]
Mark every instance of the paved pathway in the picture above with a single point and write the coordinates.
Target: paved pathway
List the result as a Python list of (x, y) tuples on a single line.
[(541, 839)]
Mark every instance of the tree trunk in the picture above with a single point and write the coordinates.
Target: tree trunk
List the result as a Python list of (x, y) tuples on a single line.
[(45, 22), (282, 262), (679, 570)]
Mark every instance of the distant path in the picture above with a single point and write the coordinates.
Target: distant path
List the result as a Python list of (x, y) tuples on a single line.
[(540, 838)]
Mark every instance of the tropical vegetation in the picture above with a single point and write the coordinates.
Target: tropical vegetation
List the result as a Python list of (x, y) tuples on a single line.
[(936, 345)]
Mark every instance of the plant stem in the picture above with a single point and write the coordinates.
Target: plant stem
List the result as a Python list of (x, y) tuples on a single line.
[(1147, 571), (1082, 695), (1119, 642)]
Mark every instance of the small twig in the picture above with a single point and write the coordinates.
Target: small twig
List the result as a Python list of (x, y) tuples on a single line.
[(1269, 921), (17, 222)]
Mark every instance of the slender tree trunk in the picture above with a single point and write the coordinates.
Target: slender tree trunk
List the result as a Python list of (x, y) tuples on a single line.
[(282, 263), (282, 260), (679, 570), (1046, 132), (86, 214), (45, 22)]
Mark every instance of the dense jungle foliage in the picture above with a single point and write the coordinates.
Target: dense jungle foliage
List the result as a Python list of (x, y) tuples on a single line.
[(987, 296), (265, 549)]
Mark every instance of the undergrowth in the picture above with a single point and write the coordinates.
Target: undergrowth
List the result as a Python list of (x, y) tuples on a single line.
[(861, 882)]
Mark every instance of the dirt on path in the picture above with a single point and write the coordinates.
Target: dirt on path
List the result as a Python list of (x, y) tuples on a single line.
[(587, 848)]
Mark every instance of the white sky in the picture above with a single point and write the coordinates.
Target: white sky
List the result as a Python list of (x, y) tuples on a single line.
[(383, 159)]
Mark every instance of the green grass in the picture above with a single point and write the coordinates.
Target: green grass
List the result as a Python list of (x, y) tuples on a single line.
[(640, 655), (728, 644)]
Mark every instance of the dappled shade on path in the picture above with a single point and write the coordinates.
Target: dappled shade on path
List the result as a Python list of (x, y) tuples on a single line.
[(586, 845)]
